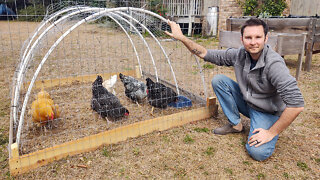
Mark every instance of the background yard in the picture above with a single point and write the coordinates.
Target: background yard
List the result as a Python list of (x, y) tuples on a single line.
[(187, 152)]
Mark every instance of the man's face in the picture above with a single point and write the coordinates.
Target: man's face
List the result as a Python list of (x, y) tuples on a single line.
[(253, 40)]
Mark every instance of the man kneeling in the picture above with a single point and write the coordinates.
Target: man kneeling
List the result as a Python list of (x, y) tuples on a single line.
[(265, 91)]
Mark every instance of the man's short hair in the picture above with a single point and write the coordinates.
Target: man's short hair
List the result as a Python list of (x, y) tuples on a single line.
[(255, 22)]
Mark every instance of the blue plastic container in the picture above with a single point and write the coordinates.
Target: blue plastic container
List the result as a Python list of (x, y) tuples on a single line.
[(181, 103)]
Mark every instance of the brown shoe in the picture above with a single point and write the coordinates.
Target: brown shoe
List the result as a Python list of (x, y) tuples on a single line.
[(226, 129)]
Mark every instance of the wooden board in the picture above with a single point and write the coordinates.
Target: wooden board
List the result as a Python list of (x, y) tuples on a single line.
[(288, 25), (69, 80), (229, 39), (21, 164), (289, 44)]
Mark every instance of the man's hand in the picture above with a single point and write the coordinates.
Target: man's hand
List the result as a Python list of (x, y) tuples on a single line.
[(176, 32), (260, 136)]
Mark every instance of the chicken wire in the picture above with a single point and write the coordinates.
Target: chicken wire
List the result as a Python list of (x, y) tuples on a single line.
[(76, 41)]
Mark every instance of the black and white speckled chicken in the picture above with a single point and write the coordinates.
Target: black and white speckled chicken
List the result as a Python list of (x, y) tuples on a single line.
[(159, 95), (134, 89), (105, 103)]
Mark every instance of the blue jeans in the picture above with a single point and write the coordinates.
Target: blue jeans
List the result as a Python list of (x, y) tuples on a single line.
[(232, 104)]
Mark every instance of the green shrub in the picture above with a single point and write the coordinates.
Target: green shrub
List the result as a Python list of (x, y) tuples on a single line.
[(248, 6), (32, 13), (274, 8), (262, 8), (157, 7)]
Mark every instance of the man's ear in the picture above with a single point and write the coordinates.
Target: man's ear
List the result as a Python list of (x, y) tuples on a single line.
[(241, 39), (265, 41)]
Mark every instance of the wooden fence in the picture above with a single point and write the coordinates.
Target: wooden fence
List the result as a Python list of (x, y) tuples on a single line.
[(305, 7)]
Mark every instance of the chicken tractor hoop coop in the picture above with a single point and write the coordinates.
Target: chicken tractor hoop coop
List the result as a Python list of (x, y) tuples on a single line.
[(62, 59)]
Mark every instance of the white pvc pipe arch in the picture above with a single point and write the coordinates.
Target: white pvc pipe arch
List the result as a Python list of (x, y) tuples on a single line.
[(101, 13)]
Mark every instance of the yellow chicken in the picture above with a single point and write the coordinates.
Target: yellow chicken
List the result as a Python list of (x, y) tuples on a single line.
[(43, 108)]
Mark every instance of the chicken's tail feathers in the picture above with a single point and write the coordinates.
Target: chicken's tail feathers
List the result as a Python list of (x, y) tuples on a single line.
[(114, 77), (98, 80), (113, 80), (149, 82), (121, 76)]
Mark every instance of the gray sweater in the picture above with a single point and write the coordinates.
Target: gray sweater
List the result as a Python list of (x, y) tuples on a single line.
[(268, 87)]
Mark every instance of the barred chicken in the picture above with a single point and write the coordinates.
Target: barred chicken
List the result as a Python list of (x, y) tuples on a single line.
[(105, 103), (159, 95), (134, 89)]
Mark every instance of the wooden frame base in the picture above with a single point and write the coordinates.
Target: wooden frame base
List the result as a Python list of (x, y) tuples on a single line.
[(21, 164)]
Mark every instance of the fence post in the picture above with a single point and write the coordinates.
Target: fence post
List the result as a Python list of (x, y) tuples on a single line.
[(309, 48)]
